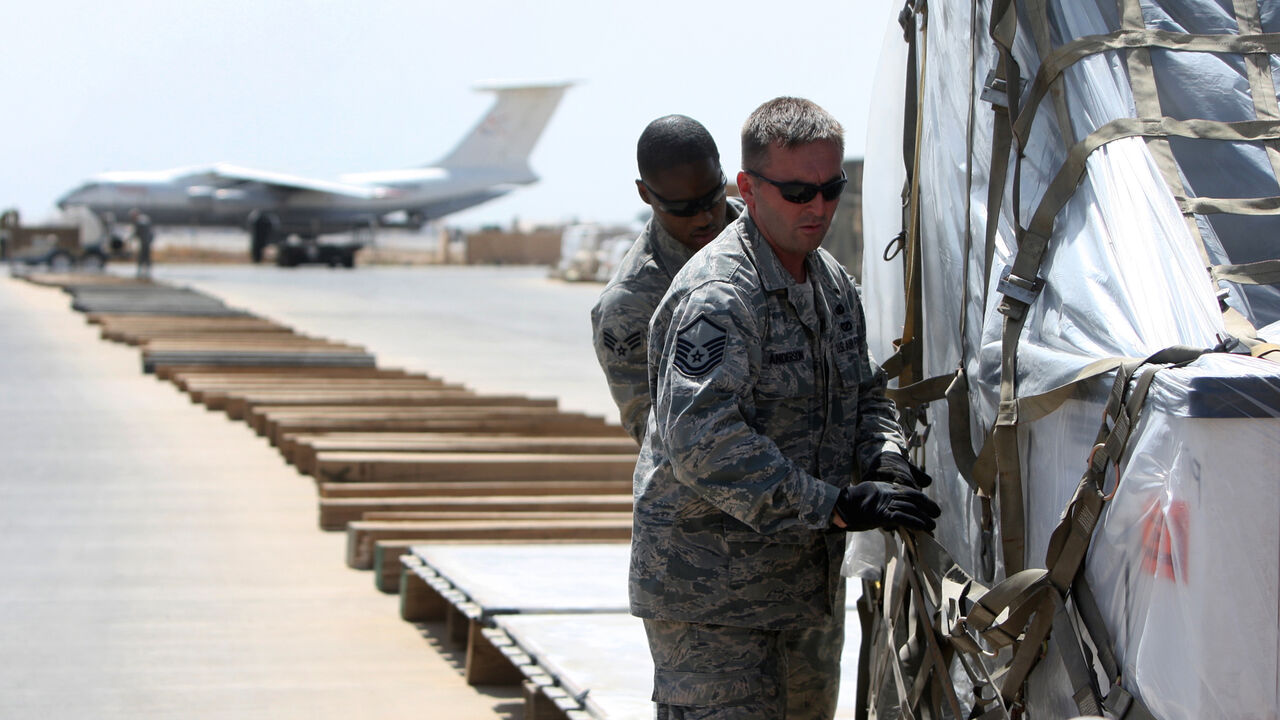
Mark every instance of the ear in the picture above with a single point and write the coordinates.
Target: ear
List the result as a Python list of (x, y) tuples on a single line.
[(644, 193), (746, 190)]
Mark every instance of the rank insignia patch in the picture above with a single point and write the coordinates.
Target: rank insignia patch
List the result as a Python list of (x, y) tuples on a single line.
[(699, 347), (624, 346)]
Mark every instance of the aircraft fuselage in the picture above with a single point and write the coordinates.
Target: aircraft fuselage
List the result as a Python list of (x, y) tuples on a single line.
[(197, 202), (491, 161)]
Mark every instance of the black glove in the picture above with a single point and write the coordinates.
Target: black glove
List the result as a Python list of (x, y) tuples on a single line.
[(874, 504), (891, 467)]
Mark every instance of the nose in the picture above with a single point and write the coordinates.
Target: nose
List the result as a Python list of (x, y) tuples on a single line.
[(819, 203)]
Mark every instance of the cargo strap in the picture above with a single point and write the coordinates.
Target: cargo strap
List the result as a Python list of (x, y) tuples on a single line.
[(1262, 88), (906, 364), (1266, 351), (1034, 239), (1265, 272), (918, 394), (969, 136), (922, 584), (1037, 610), (934, 611), (912, 370), (1146, 98), (892, 365), (979, 470), (908, 647), (1253, 45), (1021, 286), (1069, 542), (1231, 206), (1053, 65), (1233, 321)]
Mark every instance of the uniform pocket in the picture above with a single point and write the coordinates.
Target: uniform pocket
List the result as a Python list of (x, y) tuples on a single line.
[(849, 369), (708, 689), (780, 569)]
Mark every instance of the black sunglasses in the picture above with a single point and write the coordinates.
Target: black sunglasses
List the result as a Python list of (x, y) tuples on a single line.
[(802, 192), (689, 208)]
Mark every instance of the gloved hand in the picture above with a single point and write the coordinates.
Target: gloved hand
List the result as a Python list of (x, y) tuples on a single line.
[(889, 466), (874, 504)]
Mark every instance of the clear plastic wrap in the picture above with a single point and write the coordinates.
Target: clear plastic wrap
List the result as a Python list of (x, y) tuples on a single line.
[(883, 175), (1184, 561), (864, 556)]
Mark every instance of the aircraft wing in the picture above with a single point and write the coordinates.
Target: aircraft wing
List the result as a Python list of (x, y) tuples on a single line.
[(293, 183)]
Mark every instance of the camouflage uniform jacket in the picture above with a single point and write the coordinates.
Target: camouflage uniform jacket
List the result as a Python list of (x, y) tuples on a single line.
[(766, 403), (620, 318)]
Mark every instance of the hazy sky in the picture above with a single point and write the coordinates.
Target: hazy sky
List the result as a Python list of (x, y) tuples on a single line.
[(325, 87)]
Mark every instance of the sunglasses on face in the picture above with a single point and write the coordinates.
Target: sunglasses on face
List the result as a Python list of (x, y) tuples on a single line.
[(689, 208), (802, 192)]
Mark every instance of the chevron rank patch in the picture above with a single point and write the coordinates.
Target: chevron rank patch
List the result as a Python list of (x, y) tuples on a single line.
[(699, 347), (624, 346)]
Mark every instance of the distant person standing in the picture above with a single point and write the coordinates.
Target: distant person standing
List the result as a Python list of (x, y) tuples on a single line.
[(145, 235), (681, 179)]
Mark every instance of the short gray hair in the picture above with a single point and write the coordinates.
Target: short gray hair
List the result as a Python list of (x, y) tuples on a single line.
[(788, 122)]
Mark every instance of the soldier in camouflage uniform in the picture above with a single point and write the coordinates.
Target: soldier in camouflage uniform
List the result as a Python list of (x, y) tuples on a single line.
[(677, 158), (767, 410)]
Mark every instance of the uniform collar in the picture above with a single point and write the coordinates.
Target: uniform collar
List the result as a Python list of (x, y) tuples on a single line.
[(773, 277), (669, 253)]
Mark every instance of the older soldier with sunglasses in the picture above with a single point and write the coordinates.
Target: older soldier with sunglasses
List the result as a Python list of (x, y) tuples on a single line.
[(770, 438), (681, 179)]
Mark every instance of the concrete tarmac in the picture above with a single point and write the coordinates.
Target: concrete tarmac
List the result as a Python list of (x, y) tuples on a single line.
[(496, 329), (161, 561)]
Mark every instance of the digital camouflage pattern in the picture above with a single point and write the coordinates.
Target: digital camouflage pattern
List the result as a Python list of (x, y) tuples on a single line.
[(620, 318), (718, 672), (746, 452)]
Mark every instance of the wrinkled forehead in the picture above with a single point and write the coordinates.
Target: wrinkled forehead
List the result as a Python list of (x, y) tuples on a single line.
[(823, 157)]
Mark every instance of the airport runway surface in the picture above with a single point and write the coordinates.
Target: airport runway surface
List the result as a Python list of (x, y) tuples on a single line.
[(161, 561)]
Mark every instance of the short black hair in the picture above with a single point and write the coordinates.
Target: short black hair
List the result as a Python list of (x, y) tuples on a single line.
[(672, 141)]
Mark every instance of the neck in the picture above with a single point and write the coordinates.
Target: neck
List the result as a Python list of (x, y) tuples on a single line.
[(791, 262)]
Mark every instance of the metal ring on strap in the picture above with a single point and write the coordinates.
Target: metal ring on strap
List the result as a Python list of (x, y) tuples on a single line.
[(1106, 497)]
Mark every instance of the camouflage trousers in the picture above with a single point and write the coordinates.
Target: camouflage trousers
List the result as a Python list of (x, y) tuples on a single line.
[(716, 672)]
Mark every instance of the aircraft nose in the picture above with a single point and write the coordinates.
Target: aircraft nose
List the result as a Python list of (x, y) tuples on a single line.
[(73, 197)]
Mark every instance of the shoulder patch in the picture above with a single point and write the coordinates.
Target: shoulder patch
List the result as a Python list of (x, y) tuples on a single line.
[(623, 346), (699, 346)]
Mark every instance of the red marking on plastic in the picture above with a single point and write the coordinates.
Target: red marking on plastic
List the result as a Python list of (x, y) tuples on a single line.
[(1164, 540)]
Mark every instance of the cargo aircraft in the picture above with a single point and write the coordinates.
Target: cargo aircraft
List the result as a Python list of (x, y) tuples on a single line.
[(491, 161)]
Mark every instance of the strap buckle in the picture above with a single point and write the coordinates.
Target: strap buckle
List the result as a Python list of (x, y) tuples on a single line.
[(1017, 289), (1118, 700), (995, 90)]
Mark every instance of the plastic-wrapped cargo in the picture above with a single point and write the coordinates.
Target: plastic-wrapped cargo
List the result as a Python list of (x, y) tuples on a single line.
[(1130, 229)]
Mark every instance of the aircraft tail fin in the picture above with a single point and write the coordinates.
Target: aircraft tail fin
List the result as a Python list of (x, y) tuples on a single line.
[(507, 133)]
